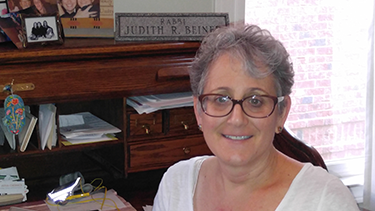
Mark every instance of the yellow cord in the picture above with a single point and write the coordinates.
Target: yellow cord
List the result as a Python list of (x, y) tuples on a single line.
[(97, 188)]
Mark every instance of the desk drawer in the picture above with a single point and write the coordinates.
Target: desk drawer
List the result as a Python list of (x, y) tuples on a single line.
[(182, 122), (145, 126), (162, 124), (93, 79), (162, 154)]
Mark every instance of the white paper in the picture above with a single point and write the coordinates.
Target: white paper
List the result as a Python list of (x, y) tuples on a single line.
[(9, 173), (110, 202), (70, 120), (147, 208), (92, 125), (47, 114), (10, 182), (151, 103)]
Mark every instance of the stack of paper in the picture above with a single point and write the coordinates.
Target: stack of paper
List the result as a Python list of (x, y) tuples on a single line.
[(84, 127), (151, 103), (12, 188)]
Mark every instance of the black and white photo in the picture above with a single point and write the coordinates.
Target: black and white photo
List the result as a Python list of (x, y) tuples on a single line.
[(41, 29)]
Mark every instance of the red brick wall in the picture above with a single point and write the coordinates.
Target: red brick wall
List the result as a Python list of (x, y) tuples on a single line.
[(328, 99)]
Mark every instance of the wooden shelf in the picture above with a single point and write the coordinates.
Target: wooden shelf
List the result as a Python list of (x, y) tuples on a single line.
[(97, 75)]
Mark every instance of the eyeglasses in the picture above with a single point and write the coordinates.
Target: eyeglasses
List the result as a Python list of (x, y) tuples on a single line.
[(255, 106)]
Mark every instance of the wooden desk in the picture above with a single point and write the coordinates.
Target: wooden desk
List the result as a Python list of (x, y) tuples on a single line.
[(42, 206), (97, 75)]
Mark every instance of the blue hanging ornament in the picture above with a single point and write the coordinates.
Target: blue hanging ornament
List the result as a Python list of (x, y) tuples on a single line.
[(14, 110)]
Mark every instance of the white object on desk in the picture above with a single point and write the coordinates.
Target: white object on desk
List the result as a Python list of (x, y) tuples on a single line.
[(93, 125), (111, 201)]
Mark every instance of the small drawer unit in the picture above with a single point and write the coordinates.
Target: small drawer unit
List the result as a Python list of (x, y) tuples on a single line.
[(159, 139)]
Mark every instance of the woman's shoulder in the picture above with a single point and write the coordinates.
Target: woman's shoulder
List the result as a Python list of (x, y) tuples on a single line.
[(314, 188), (310, 171)]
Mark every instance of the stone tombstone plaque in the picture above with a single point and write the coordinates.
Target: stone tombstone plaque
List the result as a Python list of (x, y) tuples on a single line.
[(167, 26)]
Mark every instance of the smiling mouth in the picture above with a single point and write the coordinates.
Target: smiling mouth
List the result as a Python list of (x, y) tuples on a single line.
[(237, 137)]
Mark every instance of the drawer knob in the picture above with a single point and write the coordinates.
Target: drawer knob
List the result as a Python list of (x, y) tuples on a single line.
[(186, 126), (186, 150), (147, 128)]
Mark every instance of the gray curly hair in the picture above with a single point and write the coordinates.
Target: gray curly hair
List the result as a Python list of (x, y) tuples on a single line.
[(256, 47)]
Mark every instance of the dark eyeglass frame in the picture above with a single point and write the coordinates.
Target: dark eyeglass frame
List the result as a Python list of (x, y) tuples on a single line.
[(275, 99)]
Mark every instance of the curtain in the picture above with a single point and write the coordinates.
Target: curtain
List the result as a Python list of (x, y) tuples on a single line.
[(369, 180)]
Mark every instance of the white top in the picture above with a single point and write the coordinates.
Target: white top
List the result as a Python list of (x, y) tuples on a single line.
[(312, 189)]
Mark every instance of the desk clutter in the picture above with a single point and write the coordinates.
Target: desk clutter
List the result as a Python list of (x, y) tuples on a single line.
[(12, 188), (150, 103), (28, 26), (77, 128), (72, 194), (84, 128)]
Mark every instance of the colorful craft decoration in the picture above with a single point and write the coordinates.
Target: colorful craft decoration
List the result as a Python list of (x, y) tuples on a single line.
[(14, 110)]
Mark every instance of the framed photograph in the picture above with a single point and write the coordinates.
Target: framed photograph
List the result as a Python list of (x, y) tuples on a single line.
[(11, 26), (42, 7), (89, 18), (41, 30), (3, 7)]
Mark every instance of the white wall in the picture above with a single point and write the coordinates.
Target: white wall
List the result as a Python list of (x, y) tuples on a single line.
[(235, 8), (167, 6)]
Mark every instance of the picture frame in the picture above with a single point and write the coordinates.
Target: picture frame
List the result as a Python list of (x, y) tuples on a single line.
[(3, 7), (36, 6), (87, 20), (3, 11), (41, 30)]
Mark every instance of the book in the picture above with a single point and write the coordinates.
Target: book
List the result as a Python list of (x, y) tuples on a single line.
[(11, 199), (10, 137), (25, 134), (47, 120), (52, 138)]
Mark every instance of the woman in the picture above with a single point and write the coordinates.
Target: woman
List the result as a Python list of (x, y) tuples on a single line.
[(241, 81), (47, 30), (25, 4), (12, 6), (68, 9), (44, 8), (34, 32)]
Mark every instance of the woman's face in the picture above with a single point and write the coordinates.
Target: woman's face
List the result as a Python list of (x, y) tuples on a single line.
[(82, 3), (69, 5), (25, 4), (38, 4), (238, 139)]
